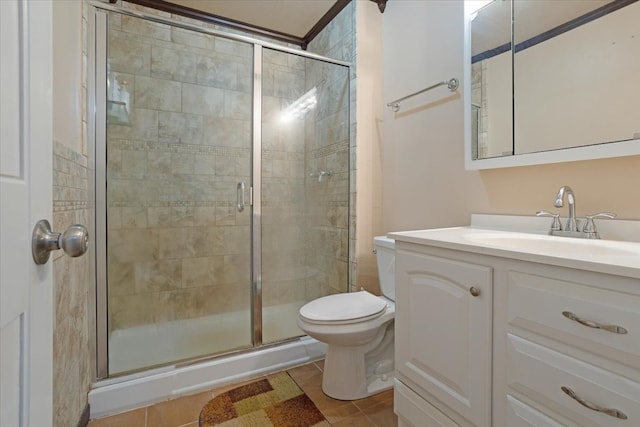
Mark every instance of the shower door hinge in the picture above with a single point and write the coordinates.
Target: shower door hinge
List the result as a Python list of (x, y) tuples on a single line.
[(250, 196)]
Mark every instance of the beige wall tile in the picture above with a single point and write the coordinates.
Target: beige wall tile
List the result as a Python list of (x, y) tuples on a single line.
[(183, 163), (226, 132), (134, 217), (114, 218), (182, 216), (180, 128), (221, 72), (144, 126), (72, 281), (207, 101), (121, 278), (205, 215), (158, 162), (238, 105), (132, 245), (145, 28), (173, 64), (129, 54), (205, 164), (157, 275), (158, 94), (233, 47), (134, 164), (192, 39), (205, 271)]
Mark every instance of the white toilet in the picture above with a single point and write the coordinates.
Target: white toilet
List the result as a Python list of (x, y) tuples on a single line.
[(358, 329)]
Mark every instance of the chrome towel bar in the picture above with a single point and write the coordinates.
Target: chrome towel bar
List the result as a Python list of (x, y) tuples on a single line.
[(452, 84)]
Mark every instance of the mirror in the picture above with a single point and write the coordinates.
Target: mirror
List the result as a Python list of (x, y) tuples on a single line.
[(567, 91)]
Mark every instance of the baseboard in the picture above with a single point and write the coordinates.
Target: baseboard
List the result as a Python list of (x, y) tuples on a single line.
[(84, 417)]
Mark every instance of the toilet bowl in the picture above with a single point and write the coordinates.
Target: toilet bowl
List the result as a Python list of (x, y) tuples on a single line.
[(358, 328)]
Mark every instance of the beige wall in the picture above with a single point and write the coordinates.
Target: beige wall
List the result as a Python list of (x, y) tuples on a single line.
[(425, 184), (368, 162), (67, 72)]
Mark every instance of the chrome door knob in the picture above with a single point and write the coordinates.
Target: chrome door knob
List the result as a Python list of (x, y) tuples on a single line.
[(74, 241), (474, 291)]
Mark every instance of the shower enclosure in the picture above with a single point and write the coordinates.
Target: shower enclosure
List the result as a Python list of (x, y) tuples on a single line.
[(222, 189)]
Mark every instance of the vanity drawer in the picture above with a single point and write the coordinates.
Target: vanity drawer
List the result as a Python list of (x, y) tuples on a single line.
[(540, 374), (537, 304)]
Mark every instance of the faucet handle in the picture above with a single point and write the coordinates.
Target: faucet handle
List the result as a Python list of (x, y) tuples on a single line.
[(590, 226), (556, 225)]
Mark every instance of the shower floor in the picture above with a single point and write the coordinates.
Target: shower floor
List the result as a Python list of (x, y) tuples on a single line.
[(151, 345)]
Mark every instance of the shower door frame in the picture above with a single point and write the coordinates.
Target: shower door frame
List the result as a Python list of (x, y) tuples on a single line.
[(97, 35)]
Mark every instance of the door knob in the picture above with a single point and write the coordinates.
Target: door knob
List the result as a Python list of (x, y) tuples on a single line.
[(74, 241)]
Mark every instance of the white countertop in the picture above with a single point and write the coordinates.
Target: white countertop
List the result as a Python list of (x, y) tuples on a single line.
[(605, 256)]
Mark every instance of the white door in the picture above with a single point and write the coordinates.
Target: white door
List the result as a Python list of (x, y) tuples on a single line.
[(26, 304)]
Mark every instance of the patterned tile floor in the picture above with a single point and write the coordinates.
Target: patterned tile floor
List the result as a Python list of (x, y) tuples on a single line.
[(374, 411)]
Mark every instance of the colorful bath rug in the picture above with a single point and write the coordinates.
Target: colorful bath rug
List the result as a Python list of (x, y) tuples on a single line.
[(276, 401)]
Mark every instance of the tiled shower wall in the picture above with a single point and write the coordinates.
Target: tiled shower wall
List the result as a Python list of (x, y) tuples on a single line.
[(72, 367), (283, 197), (167, 246), (177, 246), (333, 221)]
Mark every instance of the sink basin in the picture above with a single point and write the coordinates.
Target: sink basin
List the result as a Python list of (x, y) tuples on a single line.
[(544, 244)]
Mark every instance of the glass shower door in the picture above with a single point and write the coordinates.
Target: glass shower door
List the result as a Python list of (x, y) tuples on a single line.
[(305, 186), (178, 163)]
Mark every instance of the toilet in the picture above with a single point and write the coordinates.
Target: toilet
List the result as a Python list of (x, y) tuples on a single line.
[(358, 328)]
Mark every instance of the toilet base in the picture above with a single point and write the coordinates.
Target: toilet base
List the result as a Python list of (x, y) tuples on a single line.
[(345, 375)]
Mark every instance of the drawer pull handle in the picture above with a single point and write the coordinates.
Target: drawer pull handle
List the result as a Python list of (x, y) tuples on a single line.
[(611, 328), (609, 411)]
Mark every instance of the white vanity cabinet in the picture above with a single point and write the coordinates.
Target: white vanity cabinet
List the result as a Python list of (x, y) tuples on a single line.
[(443, 338), (572, 344), (539, 341)]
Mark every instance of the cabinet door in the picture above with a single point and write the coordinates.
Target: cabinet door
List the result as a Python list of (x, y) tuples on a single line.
[(414, 411), (521, 415), (443, 333)]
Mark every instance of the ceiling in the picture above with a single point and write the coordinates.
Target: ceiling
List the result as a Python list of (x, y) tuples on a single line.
[(293, 17)]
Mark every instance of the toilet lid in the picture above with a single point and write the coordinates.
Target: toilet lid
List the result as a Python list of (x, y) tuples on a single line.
[(340, 307)]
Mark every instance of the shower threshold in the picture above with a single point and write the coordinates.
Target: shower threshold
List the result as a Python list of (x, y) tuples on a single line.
[(120, 394)]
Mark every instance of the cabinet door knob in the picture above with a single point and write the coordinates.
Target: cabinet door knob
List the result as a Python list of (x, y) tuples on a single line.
[(474, 291)]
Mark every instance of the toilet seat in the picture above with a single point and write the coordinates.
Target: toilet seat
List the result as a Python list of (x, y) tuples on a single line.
[(343, 308)]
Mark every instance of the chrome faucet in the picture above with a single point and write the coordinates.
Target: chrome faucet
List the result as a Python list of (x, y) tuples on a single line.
[(585, 229), (571, 198)]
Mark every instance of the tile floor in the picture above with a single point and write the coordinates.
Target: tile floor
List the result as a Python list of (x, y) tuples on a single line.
[(374, 411)]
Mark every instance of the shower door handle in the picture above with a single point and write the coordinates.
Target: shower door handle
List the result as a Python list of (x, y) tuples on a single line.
[(240, 196)]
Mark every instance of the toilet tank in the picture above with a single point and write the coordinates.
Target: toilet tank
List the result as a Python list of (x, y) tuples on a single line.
[(386, 260)]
